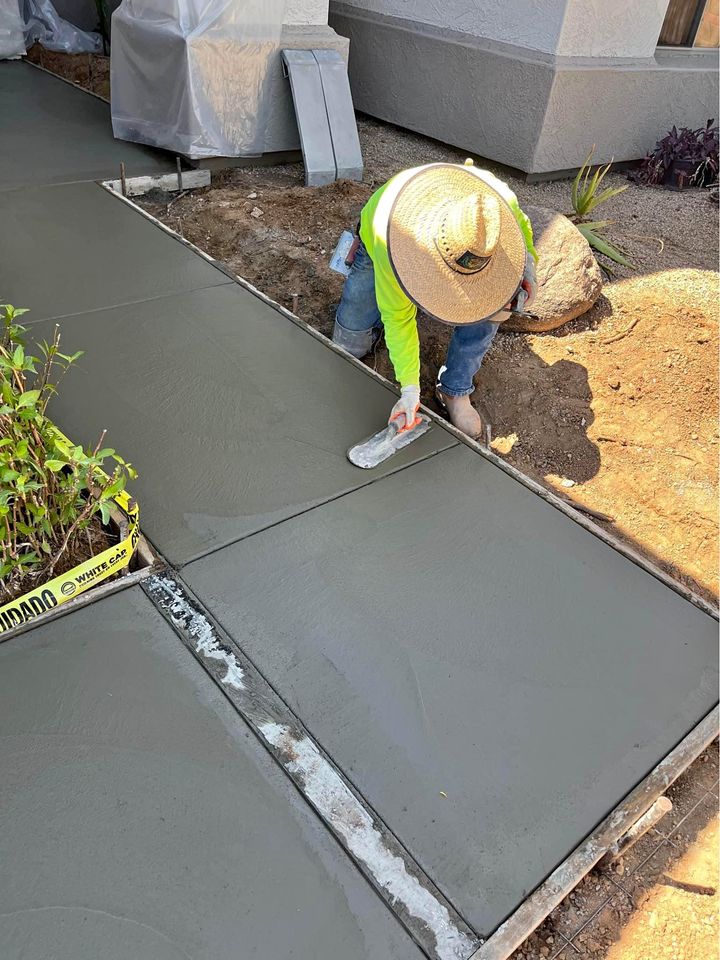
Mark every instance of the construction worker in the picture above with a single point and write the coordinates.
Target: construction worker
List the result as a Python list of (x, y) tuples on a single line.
[(452, 240)]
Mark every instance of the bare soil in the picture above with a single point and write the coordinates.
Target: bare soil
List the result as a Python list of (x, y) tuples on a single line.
[(91, 71), (83, 546)]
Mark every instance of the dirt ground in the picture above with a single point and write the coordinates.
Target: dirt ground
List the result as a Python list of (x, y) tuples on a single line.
[(91, 71), (617, 411)]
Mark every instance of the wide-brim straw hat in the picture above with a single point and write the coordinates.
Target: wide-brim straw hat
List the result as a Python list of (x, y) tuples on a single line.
[(439, 214)]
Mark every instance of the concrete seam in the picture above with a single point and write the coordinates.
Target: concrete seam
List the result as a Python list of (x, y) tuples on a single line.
[(397, 878), (338, 496), (124, 303)]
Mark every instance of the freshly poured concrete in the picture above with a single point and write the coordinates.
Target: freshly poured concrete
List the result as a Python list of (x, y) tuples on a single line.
[(54, 133), (235, 417), (139, 818), (447, 630), (71, 248)]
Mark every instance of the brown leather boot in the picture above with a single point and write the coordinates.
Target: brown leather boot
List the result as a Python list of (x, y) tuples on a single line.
[(462, 414)]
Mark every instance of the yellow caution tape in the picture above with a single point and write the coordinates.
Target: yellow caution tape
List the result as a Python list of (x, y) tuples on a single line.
[(76, 581)]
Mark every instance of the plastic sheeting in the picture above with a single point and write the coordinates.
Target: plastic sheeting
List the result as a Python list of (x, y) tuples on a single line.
[(192, 76), (44, 25), (12, 43)]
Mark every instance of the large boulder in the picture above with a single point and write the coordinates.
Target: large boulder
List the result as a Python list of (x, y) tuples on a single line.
[(569, 278)]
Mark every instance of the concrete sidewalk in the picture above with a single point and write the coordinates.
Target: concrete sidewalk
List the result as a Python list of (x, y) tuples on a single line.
[(472, 678)]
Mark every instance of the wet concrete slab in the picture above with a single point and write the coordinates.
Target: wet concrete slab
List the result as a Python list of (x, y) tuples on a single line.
[(139, 818), (72, 248), (53, 132), (492, 677), (235, 417)]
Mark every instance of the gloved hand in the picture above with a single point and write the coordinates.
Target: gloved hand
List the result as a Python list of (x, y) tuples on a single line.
[(529, 281), (405, 410)]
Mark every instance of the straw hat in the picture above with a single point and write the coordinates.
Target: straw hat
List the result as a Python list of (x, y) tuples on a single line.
[(454, 244)]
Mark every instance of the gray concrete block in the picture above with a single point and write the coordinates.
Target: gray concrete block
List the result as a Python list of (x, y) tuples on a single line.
[(75, 247), (235, 417), (54, 133), (281, 133), (312, 118), (492, 677), (139, 818), (341, 114)]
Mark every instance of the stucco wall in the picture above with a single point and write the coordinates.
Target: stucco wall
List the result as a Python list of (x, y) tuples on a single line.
[(532, 111), (572, 28), (611, 28), (307, 11), (535, 24)]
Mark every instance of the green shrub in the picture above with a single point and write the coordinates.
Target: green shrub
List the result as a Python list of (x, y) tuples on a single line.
[(50, 490), (586, 196)]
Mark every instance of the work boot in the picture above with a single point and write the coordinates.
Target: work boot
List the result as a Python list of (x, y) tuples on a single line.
[(462, 413)]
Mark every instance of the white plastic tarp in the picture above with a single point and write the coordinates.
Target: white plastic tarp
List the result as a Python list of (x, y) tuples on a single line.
[(44, 25), (12, 43), (192, 76)]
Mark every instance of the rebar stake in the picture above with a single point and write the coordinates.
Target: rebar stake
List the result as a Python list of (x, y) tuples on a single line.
[(657, 811), (123, 182)]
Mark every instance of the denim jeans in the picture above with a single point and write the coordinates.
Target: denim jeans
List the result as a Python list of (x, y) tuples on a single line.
[(358, 325)]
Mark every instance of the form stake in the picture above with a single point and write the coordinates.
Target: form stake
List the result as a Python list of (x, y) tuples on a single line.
[(123, 183), (179, 172)]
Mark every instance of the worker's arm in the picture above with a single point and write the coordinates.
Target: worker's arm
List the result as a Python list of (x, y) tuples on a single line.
[(399, 318), (397, 312)]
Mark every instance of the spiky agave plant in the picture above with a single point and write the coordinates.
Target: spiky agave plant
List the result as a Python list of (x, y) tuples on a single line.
[(586, 196)]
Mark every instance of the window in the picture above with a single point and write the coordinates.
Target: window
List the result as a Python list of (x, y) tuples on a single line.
[(690, 23)]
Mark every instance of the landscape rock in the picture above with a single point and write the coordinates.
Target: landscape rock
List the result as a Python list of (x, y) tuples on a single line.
[(569, 278)]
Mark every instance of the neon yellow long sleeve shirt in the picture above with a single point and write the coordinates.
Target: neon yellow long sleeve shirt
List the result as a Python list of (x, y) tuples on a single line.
[(397, 311)]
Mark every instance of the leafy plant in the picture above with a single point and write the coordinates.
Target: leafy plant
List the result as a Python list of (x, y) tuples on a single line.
[(50, 491), (586, 196), (698, 147)]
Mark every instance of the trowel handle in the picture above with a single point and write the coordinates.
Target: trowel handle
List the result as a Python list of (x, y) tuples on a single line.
[(395, 425), (350, 258)]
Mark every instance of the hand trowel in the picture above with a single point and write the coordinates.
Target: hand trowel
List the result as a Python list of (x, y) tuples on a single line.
[(387, 442)]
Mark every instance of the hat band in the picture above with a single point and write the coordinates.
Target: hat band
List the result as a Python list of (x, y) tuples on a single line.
[(470, 262)]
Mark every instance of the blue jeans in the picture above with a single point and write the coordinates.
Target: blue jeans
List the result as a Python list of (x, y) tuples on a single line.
[(358, 326)]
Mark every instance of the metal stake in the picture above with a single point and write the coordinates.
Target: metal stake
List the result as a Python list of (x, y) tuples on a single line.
[(123, 182), (657, 811)]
